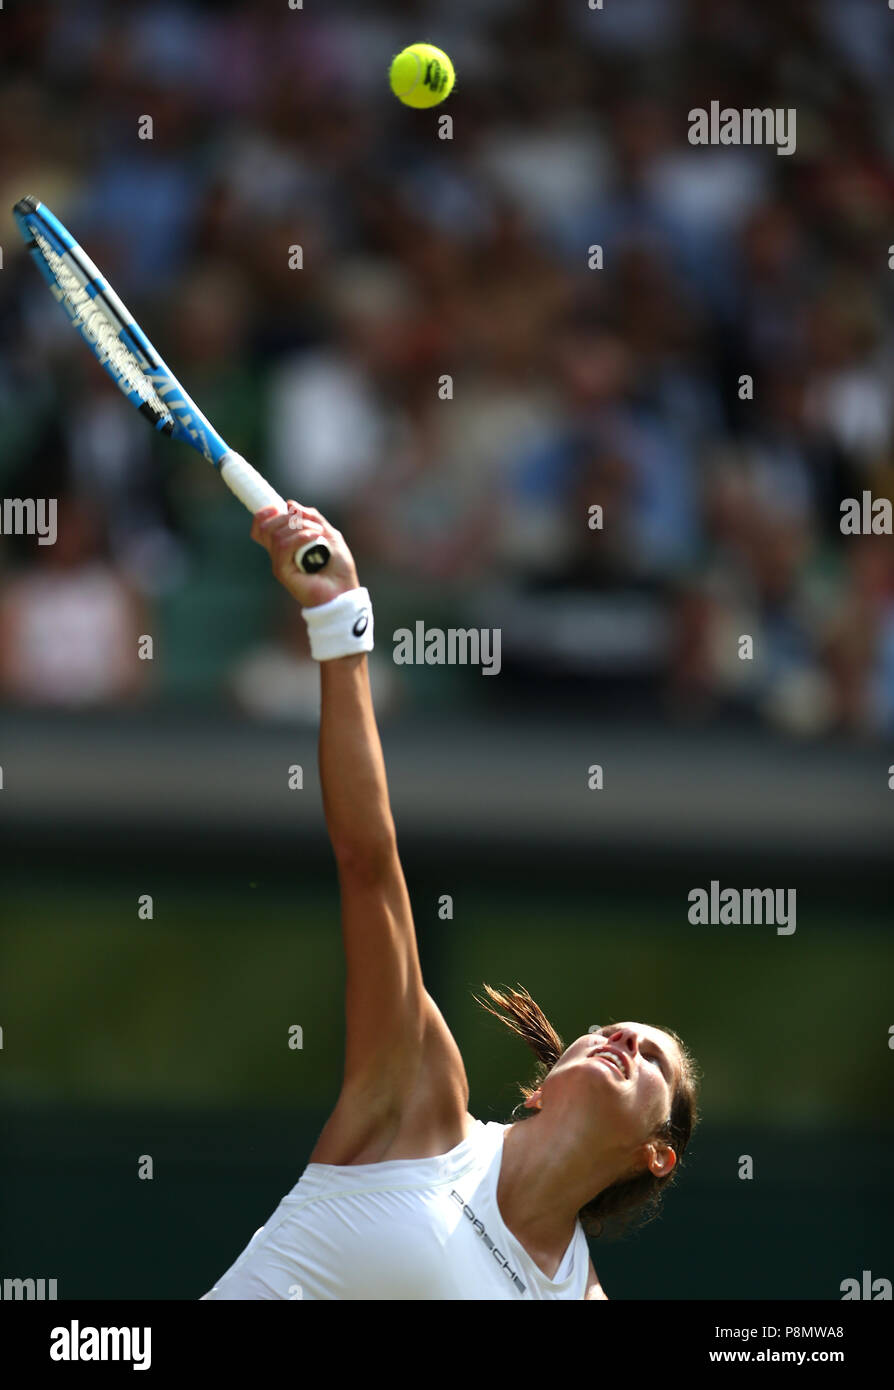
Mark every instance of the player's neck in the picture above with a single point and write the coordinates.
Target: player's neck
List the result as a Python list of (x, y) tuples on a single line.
[(545, 1179)]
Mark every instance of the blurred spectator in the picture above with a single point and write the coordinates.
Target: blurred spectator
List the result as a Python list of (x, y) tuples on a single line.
[(69, 626), (849, 397), (328, 422), (444, 372)]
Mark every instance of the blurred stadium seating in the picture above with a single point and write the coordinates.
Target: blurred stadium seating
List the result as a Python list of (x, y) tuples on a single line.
[(275, 128)]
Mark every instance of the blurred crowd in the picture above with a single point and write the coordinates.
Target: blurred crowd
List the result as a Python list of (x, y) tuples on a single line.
[(439, 369)]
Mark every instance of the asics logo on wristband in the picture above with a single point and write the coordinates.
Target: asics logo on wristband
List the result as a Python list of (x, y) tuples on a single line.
[(341, 627)]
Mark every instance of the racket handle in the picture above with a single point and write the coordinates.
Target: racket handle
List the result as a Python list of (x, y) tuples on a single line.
[(255, 493)]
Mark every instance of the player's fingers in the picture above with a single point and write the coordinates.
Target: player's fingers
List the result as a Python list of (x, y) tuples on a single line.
[(267, 531), (311, 514), (258, 520), (297, 522), (285, 541)]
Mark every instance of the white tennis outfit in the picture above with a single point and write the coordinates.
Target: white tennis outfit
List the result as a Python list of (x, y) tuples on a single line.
[(408, 1228)]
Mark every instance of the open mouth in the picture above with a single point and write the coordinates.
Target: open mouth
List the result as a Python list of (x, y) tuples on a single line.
[(611, 1059)]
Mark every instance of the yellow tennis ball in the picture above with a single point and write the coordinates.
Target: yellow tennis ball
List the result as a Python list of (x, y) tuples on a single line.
[(422, 75)]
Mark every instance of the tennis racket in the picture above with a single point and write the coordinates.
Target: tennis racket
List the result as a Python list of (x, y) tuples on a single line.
[(121, 346)]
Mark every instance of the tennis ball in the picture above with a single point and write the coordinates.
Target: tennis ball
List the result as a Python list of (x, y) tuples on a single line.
[(422, 75)]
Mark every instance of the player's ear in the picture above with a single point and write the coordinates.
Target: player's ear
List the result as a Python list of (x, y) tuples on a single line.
[(660, 1159), (535, 1101)]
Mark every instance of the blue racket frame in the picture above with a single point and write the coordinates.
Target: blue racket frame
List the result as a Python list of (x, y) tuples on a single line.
[(179, 416), (150, 386)]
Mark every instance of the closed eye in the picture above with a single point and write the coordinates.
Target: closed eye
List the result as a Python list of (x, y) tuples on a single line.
[(662, 1061)]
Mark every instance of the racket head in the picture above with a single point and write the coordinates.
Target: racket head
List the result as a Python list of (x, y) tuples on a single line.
[(110, 331), (121, 347)]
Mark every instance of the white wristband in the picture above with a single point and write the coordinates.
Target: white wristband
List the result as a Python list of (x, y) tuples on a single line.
[(341, 627)]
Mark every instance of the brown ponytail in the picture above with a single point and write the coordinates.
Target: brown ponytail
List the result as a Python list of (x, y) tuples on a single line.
[(632, 1202)]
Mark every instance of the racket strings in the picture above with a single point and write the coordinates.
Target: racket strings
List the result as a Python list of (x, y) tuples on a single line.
[(93, 318)]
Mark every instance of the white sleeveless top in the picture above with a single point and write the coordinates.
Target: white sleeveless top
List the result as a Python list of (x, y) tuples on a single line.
[(408, 1228)]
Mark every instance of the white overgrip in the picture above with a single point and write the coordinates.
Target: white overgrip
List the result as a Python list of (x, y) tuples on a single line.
[(255, 493)]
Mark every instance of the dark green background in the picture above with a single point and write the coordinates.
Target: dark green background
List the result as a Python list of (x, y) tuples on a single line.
[(169, 1038)]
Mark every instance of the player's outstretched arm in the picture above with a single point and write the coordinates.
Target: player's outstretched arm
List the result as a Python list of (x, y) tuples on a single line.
[(400, 1059)]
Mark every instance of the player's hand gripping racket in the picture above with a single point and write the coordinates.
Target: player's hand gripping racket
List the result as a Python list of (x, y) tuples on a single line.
[(121, 346)]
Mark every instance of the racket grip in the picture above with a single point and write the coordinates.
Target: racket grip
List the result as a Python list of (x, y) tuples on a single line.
[(255, 493)]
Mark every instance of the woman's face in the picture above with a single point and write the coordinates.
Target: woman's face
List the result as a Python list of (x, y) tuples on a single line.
[(623, 1075)]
